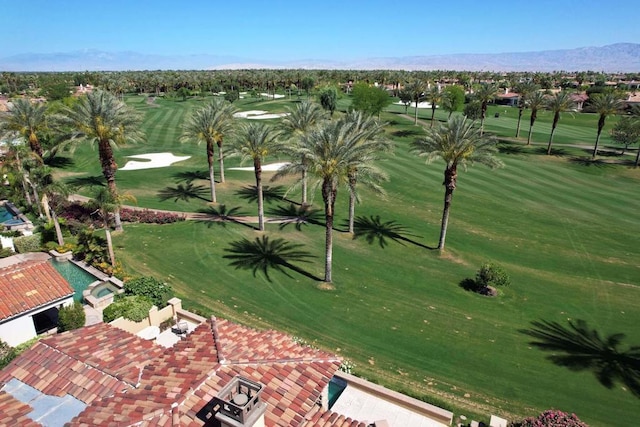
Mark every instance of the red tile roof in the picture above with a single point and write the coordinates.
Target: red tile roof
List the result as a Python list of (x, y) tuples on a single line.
[(30, 285), (125, 380)]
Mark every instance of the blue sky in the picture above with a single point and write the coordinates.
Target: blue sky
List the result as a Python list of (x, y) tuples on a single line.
[(328, 29)]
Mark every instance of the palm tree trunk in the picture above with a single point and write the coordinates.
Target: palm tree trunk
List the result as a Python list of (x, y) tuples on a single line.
[(212, 179), (109, 168), (352, 201), (637, 158), (221, 161), (415, 119), (595, 147), (328, 195), (304, 186), (450, 176), (433, 113), (36, 197), (112, 256), (529, 136), (553, 129), (520, 111), (258, 172), (56, 226)]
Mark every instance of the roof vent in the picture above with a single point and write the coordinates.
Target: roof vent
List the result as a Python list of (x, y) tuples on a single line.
[(238, 404)]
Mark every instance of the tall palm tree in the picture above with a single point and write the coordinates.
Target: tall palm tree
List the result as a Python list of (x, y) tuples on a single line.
[(434, 96), (101, 118), (332, 150), (486, 93), (210, 124), (458, 142), (105, 204), (51, 191), (558, 103), (535, 101), (300, 121), (417, 89), (373, 144), (604, 105), (524, 90), (28, 120), (255, 141)]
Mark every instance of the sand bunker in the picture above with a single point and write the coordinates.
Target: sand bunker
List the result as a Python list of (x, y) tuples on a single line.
[(272, 167), (258, 115), (273, 96), (413, 104), (153, 160)]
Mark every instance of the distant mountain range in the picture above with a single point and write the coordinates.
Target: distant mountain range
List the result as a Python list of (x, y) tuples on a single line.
[(620, 57)]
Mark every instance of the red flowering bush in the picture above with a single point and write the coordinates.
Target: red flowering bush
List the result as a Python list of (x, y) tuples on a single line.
[(149, 217), (551, 418)]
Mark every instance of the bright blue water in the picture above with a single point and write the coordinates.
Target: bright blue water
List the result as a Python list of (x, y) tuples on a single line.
[(336, 387), (103, 292), (78, 278), (5, 215)]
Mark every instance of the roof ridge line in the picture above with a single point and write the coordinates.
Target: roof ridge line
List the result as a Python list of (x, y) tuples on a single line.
[(286, 360), (216, 339)]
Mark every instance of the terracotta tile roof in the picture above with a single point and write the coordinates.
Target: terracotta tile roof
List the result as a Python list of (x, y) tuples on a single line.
[(14, 413), (29, 285), (184, 380), (320, 418)]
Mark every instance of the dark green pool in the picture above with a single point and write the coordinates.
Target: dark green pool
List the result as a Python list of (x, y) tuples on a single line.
[(78, 278)]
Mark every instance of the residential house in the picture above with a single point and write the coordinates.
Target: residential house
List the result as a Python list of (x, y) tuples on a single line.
[(31, 293)]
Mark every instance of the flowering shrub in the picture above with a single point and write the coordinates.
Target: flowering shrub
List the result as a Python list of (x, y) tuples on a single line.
[(149, 217), (551, 418), (347, 366)]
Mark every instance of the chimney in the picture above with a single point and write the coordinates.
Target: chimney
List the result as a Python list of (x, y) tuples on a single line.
[(238, 404)]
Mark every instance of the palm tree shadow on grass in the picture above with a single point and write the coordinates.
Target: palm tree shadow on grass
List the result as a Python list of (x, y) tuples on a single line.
[(507, 148), (269, 194), (588, 161), (580, 348), (222, 216), (183, 192), (57, 161), (87, 181), (558, 152), (373, 229), (190, 176), (297, 215), (263, 255)]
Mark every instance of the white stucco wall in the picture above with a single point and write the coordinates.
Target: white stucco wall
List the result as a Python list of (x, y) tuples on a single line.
[(21, 329)]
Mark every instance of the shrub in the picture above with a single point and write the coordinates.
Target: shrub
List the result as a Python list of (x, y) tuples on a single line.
[(24, 244), (551, 418), (71, 317), (149, 217), (491, 274), (5, 252), (133, 307), (156, 290), (7, 354)]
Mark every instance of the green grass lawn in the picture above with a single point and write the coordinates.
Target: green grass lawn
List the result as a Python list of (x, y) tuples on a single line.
[(566, 231)]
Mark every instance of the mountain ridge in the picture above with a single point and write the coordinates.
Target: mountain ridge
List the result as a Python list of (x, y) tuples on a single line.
[(618, 57)]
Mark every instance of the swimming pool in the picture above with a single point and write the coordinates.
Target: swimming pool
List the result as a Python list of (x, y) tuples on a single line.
[(336, 387), (77, 277), (5, 215)]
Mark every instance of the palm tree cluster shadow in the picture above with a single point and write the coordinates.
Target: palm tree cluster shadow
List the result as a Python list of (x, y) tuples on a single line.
[(405, 133), (57, 161), (269, 193), (373, 229), (588, 161), (297, 215), (183, 192), (190, 176), (558, 152), (263, 254), (222, 216), (507, 148), (580, 348)]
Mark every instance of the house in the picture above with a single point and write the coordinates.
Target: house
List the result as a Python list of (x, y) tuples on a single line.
[(31, 293), (102, 375)]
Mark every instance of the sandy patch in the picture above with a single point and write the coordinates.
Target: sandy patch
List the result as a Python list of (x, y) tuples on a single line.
[(272, 167), (258, 115), (413, 104), (152, 160)]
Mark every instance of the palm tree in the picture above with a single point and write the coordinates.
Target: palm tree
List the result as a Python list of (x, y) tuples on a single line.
[(523, 90), (332, 150), (51, 191), (458, 142), (28, 120), (295, 126), (100, 117), (434, 96), (105, 204), (371, 135), (535, 101), (485, 94), (417, 89), (255, 141), (210, 124), (558, 103), (604, 105)]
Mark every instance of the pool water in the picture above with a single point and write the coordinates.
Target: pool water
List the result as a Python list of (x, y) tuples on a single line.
[(103, 292), (5, 215), (78, 278), (336, 387)]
